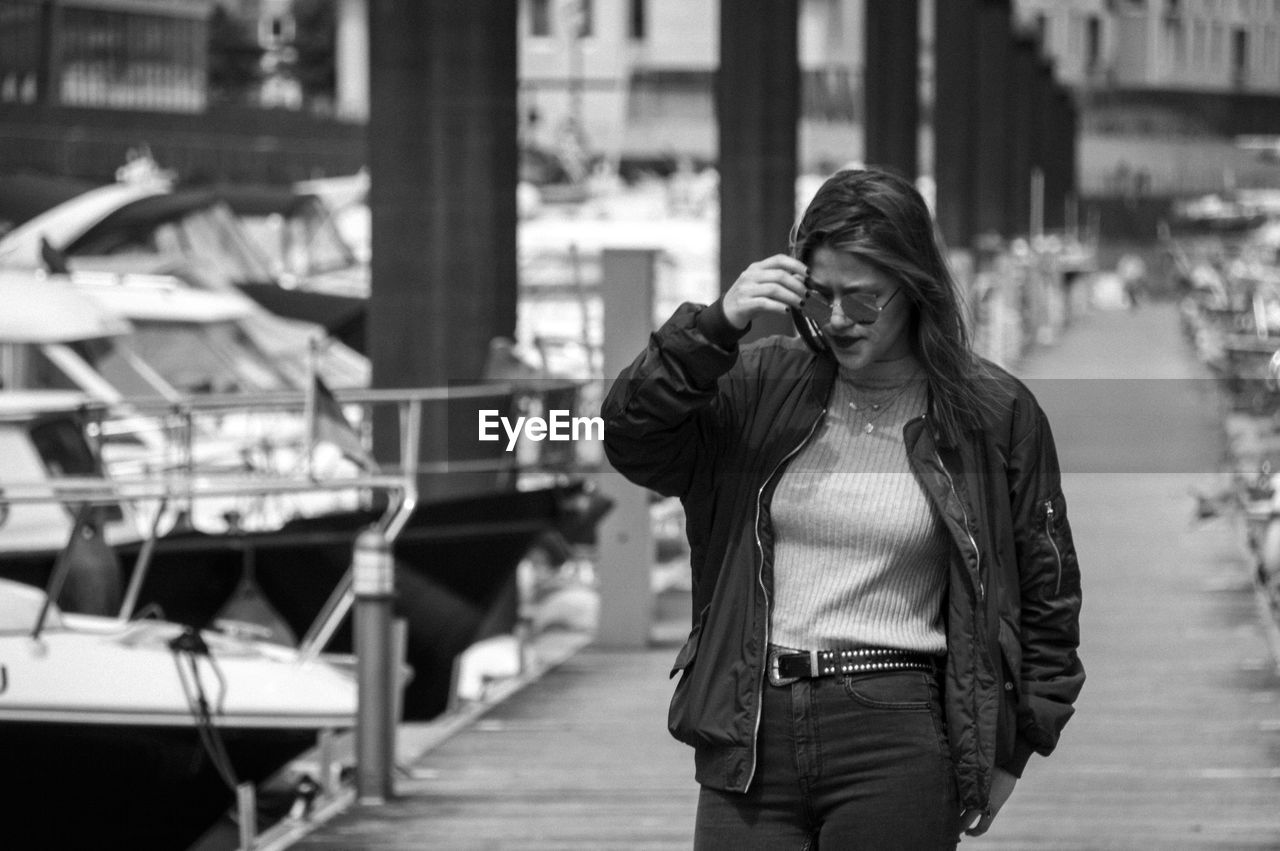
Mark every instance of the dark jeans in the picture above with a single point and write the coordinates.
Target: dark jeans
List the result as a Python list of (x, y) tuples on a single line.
[(858, 761)]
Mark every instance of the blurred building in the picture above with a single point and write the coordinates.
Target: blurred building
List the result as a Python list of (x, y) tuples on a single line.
[(272, 25), (117, 54), (634, 79), (1167, 90), (1190, 45), (1164, 87)]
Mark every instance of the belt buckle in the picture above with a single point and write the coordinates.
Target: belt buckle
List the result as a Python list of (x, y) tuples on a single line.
[(775, 677)]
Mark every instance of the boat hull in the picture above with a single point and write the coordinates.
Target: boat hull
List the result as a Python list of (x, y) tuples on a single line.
[(455, 577), (455, 566), (96, 786)]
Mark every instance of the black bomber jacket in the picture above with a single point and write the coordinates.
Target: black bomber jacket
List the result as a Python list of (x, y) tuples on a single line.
[(696, 416)]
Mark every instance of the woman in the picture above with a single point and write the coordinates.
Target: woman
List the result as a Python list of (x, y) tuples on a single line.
[(886, 595)]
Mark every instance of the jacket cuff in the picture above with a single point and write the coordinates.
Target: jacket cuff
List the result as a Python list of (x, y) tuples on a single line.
[(1022, 751), (713, 325)]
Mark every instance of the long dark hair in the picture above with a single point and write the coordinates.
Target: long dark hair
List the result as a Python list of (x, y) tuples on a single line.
[(881, 218)]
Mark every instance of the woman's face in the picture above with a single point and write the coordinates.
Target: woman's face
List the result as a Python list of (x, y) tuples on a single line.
[(858, 345)]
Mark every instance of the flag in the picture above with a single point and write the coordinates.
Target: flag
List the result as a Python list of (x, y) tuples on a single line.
[(327, 423)]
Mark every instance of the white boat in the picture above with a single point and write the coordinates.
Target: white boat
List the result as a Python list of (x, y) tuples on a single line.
[(92, 669), (136, 733), (122, 730), (141, 225), (121, 339)]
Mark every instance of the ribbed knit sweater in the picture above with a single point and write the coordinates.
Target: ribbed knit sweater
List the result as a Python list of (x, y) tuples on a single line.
[(860, 555)]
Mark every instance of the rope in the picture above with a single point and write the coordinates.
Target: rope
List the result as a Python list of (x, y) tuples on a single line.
[(189, 646)]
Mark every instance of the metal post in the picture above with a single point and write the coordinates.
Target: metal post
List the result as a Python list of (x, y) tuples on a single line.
[(374, 585), (247, 810), (1037, 202), (352, 65), (329, 772), (625, 535)]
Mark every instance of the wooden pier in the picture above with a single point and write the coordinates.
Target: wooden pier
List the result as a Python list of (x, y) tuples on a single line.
[(1176, 741)]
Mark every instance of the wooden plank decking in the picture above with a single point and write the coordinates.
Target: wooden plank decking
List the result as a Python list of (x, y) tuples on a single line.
[(1176, 743)]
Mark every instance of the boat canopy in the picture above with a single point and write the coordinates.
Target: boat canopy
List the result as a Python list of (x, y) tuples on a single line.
[(64, 223), (25, 196)]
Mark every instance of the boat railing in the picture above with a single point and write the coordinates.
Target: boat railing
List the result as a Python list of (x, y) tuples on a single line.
[(183, 488), (82, 495), (190, 416), (282, 434)]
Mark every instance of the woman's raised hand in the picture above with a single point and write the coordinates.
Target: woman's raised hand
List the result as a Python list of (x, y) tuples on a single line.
[(769, 286)]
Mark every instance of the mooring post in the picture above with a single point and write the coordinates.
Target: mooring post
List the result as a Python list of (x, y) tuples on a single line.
[(625, 535), (373, 580)]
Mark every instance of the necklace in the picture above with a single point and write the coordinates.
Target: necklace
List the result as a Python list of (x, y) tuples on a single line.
[(870, 410)]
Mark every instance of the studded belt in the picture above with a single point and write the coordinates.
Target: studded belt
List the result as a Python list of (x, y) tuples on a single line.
[(787, 666)]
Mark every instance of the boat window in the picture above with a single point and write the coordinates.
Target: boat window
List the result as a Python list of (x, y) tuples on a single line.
[(304, 243), (63, 448), (326, 250), (207, 235), (46, 375), (122, 368), (269, 234), (135, 239), (250, 362), (66, 452), (204, 358), (25, 367), (214, 234), (42, 525)]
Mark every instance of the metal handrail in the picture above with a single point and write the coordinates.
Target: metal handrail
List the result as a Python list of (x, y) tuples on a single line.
[(187, 485), (206, 402), (343, 596), (87, 492)]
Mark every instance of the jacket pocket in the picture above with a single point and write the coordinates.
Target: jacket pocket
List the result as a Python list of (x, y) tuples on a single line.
[(690, 649), (677, 713), (1010, 692), (1011, 654)]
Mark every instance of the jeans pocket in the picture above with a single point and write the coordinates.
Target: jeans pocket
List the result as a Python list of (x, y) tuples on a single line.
[(904, 691), (940, 727)]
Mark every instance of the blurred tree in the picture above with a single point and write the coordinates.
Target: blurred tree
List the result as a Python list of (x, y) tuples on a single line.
[(314, 46), (235, 58)]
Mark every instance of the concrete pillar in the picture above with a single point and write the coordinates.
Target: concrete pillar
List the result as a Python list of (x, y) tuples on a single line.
[(891, 79), (1045, 151), (625, 534), (443, 164), (758, 113), (1022, 134), (954, 115), (1071, 156), (49, 72), (993, 128), (351, 60), (1063, 192)]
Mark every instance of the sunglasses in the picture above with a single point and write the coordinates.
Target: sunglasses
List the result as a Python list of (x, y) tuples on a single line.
[(858, 307)]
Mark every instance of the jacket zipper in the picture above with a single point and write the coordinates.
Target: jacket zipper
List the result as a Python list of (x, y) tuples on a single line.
[(977, 554), (977, 574), (764, 654), (1057, 555)]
